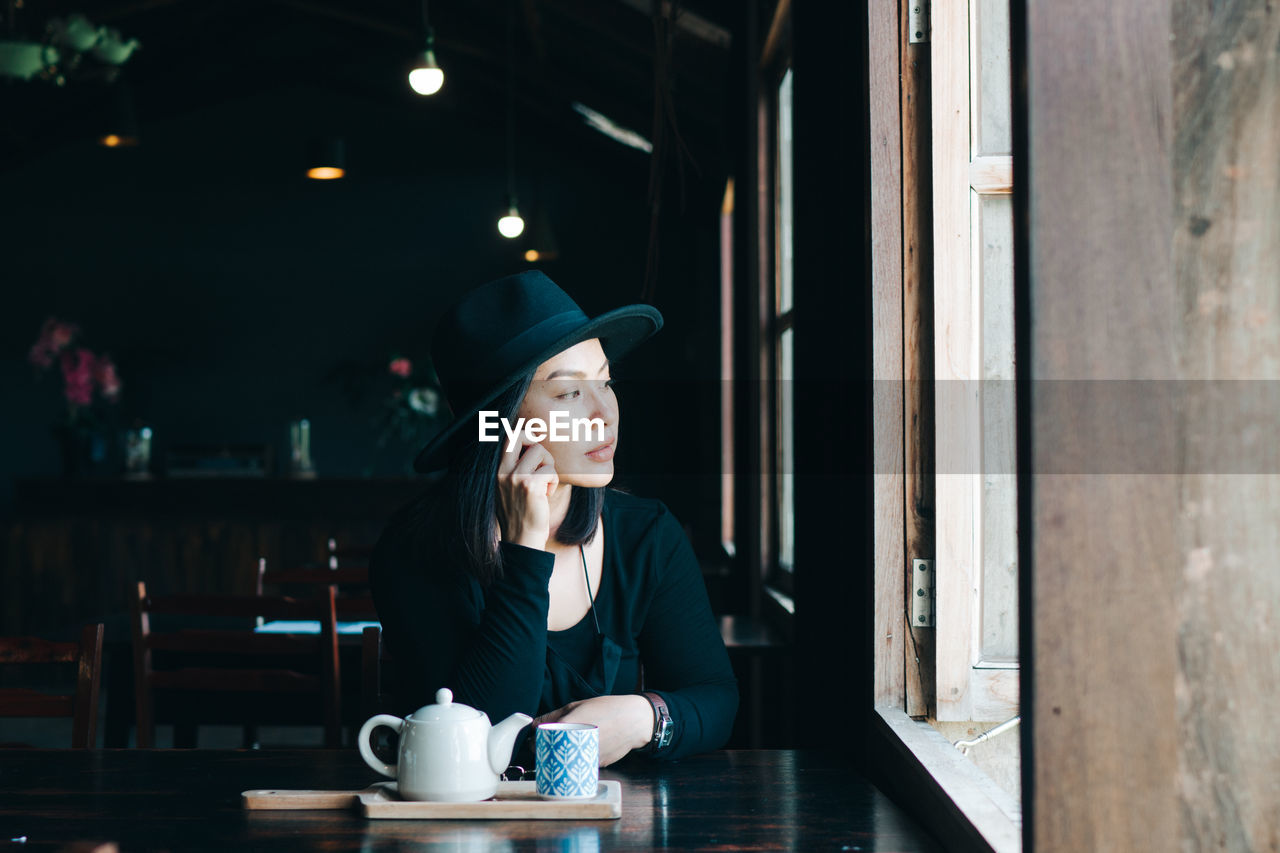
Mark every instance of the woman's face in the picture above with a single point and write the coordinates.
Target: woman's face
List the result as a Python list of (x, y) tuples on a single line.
[(577, 383)]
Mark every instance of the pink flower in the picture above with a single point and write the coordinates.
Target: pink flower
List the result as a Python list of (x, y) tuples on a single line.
[(108, 379), (55, 335), (61, 334), (401, 367), (78, 373)]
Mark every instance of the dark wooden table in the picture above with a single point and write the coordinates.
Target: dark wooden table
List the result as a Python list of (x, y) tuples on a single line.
[(190, 800)]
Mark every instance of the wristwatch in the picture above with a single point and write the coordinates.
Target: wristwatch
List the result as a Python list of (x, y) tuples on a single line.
[(663, 727)]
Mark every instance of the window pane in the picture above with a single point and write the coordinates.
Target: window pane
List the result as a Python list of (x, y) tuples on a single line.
[(786, 454), (999, 501), (784, 193), (993, 95)]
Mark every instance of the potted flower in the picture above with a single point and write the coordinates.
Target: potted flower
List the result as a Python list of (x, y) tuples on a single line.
[(408, 405), (90, 387), (411, 410)]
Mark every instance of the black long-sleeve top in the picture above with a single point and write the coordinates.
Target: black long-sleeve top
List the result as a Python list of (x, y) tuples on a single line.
[(492, 647)]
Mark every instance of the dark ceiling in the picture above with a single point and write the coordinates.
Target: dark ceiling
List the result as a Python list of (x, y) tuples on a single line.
[(200, 53)]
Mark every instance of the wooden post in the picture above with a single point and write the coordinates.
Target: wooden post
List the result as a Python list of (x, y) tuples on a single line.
[(1226, 264), (1147, 202), (331, 679), (835, 527)]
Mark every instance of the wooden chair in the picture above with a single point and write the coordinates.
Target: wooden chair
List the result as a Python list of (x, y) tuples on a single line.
[(353, 602), (299, 671), (83, 706)]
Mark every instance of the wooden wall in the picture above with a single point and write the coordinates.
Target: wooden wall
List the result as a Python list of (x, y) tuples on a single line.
[(1148, 204), (76, 548)]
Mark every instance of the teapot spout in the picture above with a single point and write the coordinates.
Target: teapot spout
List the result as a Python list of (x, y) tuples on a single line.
[(502, 740)]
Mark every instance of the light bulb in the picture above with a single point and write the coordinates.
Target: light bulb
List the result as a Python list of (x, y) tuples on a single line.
[(427, 78), (426, 81), (511, 226), (115, 140)]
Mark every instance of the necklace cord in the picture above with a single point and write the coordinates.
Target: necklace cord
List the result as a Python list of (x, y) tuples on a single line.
[(590, 596)]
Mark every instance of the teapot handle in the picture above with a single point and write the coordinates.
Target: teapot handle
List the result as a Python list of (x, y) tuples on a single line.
[(366, 751)]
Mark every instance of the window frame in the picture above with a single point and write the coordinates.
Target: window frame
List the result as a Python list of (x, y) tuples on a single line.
[(968, 686), (775, 61), (931, 768)]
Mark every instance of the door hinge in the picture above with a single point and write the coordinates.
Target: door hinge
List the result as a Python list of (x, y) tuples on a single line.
[(918, 22), (923, 593)]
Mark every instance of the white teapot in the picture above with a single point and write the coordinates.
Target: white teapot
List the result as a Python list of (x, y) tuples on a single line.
[(448, 751)]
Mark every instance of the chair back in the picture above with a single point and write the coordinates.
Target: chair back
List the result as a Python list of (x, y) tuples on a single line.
[(348, 556), (235, 660), (82, 707), (353, 600)]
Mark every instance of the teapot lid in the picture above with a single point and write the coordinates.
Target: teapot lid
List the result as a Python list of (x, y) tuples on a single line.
[(445, 709)]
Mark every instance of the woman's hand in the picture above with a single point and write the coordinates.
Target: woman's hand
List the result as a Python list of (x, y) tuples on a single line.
[(526, 478), (626, 722)]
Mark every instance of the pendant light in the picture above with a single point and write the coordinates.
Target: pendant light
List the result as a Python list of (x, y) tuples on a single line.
[(427, 77), (327, 159), (540, 240), (511, 225), (119, 126), (542, 244)]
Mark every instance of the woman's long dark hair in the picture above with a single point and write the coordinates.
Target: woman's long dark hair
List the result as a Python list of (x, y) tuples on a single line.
[(458, 519)]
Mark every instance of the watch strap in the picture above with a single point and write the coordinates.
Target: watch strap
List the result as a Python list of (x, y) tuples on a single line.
[(662, 722)]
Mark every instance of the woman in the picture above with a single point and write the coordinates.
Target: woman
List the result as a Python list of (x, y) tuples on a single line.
[(523, 582)]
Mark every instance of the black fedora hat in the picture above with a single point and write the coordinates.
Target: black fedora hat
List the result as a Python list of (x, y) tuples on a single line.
[(499, 331)]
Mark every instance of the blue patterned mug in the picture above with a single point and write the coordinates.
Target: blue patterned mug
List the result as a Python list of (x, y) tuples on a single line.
[(568, 760)]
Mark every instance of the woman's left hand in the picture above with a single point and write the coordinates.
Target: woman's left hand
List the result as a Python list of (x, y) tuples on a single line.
[(626, 722)]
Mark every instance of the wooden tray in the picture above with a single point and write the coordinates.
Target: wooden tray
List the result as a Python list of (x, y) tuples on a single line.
[(514, 801)]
